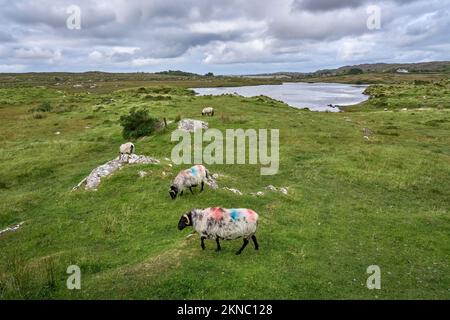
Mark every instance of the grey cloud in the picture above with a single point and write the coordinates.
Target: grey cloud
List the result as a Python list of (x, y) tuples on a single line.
[(330, 5), (203, 35)]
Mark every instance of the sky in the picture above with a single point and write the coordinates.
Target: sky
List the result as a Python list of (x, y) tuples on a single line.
[(219, 36)]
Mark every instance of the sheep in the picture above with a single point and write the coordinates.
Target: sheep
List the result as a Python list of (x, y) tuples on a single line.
[(189, 178), (208, 111), (220, 223), (126, 149)]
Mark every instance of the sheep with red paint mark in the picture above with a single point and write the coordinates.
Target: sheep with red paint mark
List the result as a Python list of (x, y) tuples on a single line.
[(222, 224), (189, 178)]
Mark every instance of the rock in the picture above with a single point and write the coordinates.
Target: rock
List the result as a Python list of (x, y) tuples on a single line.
[(142, 174), (259, 194), (211, 182), (190, 125), (12, 229), (271, 188), (284, 190), (215, 176), (92, 181), (140, 159), (386, 109), (405, 109), (57, 133), (167, 159), (235, 191), (169, 165)]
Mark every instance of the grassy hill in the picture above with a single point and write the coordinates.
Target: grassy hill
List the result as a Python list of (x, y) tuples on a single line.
[(369, 73), (352, 202)]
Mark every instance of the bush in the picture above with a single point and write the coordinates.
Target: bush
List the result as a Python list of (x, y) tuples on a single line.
[(355, 71), (138, 123), (44, 107)]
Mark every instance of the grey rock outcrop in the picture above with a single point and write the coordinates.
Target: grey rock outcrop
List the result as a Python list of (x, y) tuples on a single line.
[(190, 125), (92, 181)]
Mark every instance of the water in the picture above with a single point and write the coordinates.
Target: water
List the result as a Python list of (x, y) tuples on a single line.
[(315, 96)]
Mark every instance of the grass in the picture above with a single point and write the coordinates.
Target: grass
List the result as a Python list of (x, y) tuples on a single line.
[(352, 202)]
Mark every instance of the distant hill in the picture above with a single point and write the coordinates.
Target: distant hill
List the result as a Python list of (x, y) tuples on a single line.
[(434, 66), (177, 73), (422, 67)]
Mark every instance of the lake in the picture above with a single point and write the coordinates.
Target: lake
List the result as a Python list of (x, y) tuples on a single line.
[(315, 96)]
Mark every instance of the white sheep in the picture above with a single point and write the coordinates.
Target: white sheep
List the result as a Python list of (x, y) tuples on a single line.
[(208, 111), (126, 149), (222, 224), (189, 178)]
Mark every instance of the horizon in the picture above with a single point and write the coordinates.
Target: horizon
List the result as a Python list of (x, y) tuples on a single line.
[(230, 74), (232, 38)]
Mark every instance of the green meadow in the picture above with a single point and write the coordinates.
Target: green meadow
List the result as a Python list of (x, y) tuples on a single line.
[(352, 202)]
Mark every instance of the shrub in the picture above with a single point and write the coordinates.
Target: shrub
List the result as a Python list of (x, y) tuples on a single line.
[(355, 71), (138, 123), (44, 107)]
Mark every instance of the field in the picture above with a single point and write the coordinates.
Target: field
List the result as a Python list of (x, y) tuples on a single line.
[(352, 202)]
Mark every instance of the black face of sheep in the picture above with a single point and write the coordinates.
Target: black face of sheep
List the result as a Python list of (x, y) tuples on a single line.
[(173, 191), (185, 221)]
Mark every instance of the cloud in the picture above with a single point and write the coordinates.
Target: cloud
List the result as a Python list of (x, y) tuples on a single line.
[(332, 5), (12, 68), (221, 36), (37, 53)]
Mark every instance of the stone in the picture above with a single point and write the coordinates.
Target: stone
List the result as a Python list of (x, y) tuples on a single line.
[(284, 190), (235, 191), (12, 229), (142, 174), (92, 181), (191, 125), (271, 188)]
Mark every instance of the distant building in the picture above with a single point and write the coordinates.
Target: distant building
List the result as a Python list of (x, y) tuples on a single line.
[(402, 71)]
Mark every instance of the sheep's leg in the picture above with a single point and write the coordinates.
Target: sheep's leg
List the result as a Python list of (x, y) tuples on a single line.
[(203, 184), (218, 244), (202, 240), (255, 242), (190, 188), (243, 246)]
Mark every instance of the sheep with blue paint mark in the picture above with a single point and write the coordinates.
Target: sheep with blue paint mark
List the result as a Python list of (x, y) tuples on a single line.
[(222, 224), (189, 178)]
